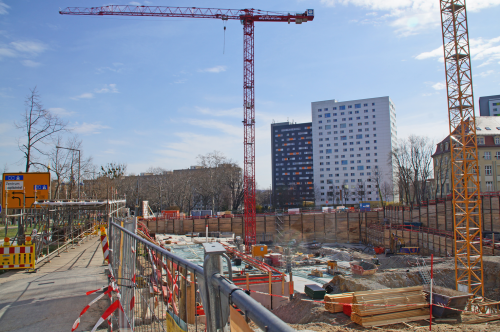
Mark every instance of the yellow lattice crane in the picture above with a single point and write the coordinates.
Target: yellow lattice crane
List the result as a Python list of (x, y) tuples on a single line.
[(468, 247)]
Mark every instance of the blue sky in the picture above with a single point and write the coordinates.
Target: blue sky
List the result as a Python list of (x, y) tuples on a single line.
[(160, 91)]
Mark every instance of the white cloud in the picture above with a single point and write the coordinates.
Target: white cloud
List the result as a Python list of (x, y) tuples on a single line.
[(108, 88), (30, 47), (30, 63), (86, 95), (439, 86), (60, 111), (234, 112), (409, 16), (438, 52), (219, 125), (181, 81), (486, 73), (7, 52), (135, 3), (216, 69), (88, 128), (3, 8), (482, 50), (22, 49)]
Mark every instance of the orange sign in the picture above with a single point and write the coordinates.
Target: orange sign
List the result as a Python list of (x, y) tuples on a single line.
[(23, 188)]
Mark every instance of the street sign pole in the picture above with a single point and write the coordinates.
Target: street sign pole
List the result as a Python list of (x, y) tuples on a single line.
[(5, 212)]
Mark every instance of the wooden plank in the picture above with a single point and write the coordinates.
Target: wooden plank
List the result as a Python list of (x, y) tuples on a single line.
[(237, 321), (397, 321)]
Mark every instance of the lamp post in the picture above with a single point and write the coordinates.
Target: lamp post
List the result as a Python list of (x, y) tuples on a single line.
[(79, 165)]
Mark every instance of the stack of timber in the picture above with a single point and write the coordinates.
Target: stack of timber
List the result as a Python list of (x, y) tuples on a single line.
[(389, 306), (335, 303)]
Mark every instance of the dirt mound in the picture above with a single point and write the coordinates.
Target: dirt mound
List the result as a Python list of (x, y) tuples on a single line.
[(303, 312)]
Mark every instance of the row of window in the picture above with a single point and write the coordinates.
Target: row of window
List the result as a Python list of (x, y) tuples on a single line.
[(327, 115), (345, 174), (487, 155), (350, 131), (353, 199), (342, 107)]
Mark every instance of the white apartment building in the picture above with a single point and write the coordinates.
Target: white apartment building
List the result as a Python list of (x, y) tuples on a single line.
[(352, 141)]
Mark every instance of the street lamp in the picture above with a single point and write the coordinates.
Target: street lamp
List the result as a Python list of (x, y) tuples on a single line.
[(79, 165)]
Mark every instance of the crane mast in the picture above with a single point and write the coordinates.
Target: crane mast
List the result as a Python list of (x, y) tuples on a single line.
[(468, 248), (247, 17)]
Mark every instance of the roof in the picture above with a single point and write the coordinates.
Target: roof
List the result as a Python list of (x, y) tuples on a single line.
[(487, 126)]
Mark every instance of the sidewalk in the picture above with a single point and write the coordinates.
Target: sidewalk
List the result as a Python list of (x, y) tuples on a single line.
[(52, 298)]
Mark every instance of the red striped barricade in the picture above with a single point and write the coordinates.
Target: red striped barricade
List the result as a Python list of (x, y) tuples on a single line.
[(17, 257)]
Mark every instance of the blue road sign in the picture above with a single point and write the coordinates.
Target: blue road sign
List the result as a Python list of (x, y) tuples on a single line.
[(14, 177), (40, 187), (0, 208)]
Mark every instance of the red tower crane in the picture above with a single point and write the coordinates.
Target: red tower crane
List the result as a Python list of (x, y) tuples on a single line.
[(247, 17)]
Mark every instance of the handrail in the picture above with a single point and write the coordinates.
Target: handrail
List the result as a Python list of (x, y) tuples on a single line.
[(223, 291), (190, 265)]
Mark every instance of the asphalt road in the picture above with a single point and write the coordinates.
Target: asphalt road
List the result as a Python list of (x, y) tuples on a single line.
[(52, 298)]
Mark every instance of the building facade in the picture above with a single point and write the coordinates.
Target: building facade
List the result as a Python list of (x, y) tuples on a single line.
[(488, 148), (352, 142), (292, 163), (489, 105)]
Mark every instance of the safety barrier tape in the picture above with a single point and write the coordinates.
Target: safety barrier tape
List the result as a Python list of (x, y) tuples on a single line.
[(108, 291)]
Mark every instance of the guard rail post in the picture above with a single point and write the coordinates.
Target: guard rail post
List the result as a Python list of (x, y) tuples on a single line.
[(216, 310)]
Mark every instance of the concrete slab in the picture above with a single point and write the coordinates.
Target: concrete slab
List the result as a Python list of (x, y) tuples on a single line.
[(52, 298)]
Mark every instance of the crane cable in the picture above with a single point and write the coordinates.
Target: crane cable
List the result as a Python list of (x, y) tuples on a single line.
[(224, 20)]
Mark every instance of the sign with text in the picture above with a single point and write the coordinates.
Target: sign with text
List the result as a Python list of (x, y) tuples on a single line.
[(23, 188), (14, 185)]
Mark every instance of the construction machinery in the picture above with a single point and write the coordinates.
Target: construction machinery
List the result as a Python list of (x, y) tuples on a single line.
[(247, 17), (467, 217), (398, 247)]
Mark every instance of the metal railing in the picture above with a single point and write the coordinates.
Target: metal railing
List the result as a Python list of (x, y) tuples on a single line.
[(159, 289)]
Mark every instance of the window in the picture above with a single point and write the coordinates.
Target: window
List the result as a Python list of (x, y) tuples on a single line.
[(343, 138), (373, 104), (327, 127), (480, 140), (357, 105), (344, 162), (497, 140), (487, 155), (319, 110), (350, 106), (327, 115), (342, 107), (487, 170), (360, 168), (497, 155), (489, 186), (328, 150), (343, 125), (320, 115)]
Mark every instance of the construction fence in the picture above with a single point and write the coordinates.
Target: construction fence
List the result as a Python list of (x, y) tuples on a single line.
[(428, 226), (152, 289)]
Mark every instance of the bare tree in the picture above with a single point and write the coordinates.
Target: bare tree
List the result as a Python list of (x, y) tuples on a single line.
[(38, 125), (441, 174), (412, 158)]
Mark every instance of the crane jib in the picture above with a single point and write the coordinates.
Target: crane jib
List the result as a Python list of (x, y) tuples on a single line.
[(193, 12)]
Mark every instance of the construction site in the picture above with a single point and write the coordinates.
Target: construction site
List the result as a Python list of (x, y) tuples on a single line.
[(398, 267)]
